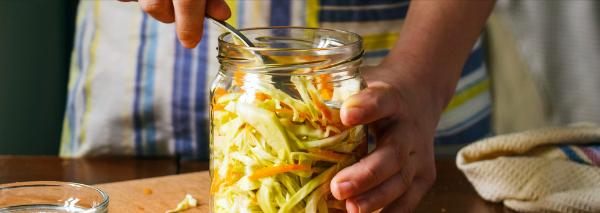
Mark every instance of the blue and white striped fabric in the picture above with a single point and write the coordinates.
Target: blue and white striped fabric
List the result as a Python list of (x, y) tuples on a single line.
[(468, 116), (134, 90)]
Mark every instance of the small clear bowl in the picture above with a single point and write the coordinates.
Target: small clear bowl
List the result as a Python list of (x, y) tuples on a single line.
[(51, 196)]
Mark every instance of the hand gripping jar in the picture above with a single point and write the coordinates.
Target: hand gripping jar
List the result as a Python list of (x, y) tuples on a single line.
[(276, 135)]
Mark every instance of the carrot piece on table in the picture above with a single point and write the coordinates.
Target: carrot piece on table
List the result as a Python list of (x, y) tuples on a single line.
[(147, 191), (270, 171)]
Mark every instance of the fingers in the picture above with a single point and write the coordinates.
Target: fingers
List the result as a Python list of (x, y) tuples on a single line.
[(218, 9), (386, 192), (189, 16), (161, 10), (410, 199), (377, 101), (385, 161)]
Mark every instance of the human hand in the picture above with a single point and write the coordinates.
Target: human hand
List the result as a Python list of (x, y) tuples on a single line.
[(188, 15), (403, 115)]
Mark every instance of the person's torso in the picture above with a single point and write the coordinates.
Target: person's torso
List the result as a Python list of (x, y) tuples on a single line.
[(134, 90)]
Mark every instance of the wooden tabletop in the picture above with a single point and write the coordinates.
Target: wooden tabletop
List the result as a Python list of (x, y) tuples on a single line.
[(451, 192)]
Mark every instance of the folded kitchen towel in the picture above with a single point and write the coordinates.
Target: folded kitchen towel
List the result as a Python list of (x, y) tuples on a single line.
[(547, 170)]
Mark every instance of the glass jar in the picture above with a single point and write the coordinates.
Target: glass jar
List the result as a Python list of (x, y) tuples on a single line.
[(52, 196), (276, 135)]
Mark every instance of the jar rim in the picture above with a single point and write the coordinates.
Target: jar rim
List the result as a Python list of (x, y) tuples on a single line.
[(357, 42)]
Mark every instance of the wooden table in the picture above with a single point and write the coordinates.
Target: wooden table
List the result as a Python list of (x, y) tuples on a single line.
[(451, 193)]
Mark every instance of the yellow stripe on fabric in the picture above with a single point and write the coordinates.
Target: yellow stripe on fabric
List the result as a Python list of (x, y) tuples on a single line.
[(90, 74), (73, 75), (379, 41), (73, 69), (66, 130), (468, 94), (312, 13), (64, 138), (233, 5)]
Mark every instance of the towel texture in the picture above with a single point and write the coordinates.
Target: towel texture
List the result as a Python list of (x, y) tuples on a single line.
[(546, 170)]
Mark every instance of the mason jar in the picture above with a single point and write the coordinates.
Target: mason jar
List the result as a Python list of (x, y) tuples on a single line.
[(276, 135)]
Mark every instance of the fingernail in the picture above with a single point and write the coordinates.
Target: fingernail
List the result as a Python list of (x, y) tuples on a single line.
[(345, 189)]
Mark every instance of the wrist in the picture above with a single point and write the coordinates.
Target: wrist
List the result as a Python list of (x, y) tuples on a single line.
[(425, 77)]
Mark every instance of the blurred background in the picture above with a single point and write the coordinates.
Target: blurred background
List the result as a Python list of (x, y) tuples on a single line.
[(35, 45)]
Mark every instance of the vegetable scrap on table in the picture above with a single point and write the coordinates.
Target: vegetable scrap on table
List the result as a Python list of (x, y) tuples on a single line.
[(187, 203)]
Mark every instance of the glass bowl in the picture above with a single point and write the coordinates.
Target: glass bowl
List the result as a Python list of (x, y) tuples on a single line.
[(51, 196)]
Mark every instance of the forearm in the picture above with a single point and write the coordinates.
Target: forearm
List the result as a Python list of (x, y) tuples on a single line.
[(435, 41)]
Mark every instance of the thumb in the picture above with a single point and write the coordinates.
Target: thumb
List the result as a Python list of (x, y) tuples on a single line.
[(218, 9), (377, 101)]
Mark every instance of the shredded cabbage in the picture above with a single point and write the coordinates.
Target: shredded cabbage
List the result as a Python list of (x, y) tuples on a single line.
[(187, 203), (276, 152)]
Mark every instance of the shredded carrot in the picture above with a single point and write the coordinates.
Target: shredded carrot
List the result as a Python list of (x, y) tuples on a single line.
[(238, 78), (321, 106), (330, 155), (215, 182), (270, 171), (261, 96), (327, 94), (219, 92), (217, 107), (286, 111), (325, 86)]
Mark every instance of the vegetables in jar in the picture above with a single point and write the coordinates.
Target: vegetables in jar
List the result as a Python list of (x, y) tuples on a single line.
[(276, 135)]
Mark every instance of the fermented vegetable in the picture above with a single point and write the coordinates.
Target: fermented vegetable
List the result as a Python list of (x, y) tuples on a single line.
[(274, 151)]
